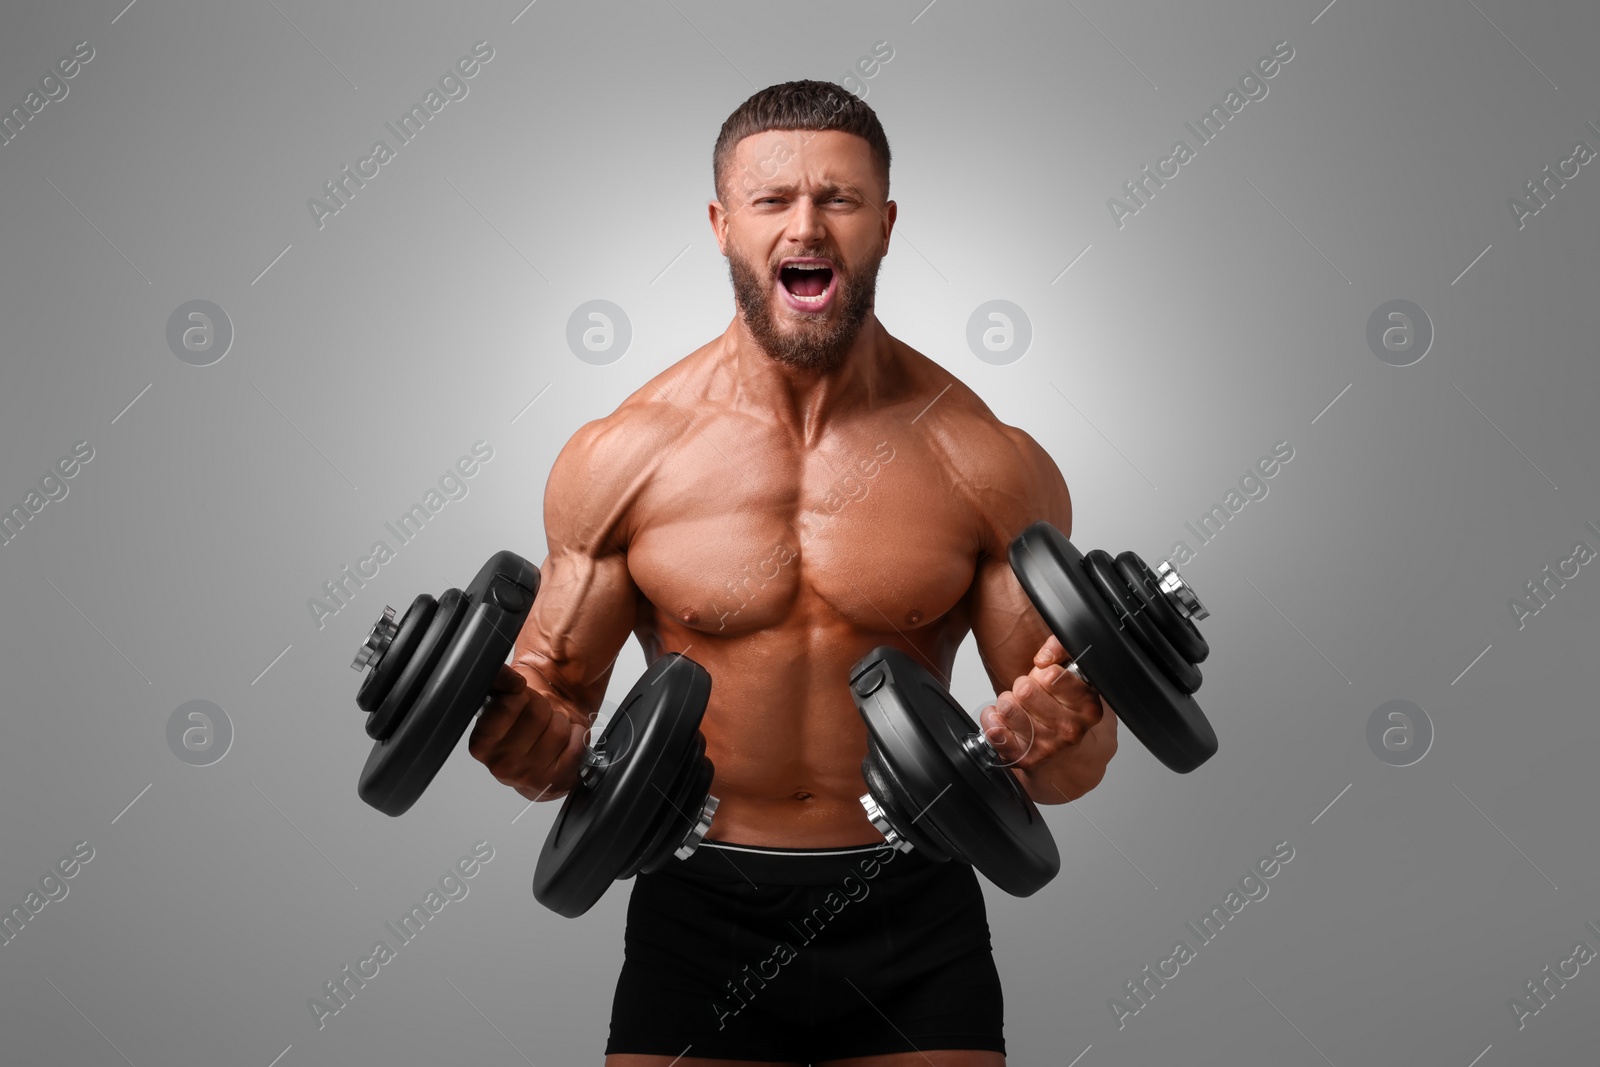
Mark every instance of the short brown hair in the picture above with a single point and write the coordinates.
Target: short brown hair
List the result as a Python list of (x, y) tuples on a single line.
[(801, 105)]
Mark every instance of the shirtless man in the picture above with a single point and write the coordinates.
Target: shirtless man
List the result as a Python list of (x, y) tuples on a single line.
[(790, 495)]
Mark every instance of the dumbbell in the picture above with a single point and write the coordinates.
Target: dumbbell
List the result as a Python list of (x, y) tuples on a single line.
[(644, 793), (644, 787), (430, 672), (935, 784)]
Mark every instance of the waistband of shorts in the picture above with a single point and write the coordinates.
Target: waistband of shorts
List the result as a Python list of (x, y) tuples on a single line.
[(724, 861)]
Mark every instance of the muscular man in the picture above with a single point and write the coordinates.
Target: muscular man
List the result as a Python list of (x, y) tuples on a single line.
[(796, 491)]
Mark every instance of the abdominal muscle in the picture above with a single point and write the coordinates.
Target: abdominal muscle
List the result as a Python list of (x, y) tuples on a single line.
[(784, 734)]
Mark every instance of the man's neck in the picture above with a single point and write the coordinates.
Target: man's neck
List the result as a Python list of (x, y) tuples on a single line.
[(807, 401)]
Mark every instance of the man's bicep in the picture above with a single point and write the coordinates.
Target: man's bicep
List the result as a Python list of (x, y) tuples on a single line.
[(580, 620), (587, 600), (1005, 625)]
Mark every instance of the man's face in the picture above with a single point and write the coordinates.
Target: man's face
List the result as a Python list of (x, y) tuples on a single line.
[(804, 227)]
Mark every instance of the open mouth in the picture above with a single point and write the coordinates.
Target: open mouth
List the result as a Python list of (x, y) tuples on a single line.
[(807, 284)]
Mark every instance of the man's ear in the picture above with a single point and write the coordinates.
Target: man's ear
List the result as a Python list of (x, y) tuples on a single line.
[(718, 217)]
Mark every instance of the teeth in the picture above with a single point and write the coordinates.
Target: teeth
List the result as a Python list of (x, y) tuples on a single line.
[(820, 297)]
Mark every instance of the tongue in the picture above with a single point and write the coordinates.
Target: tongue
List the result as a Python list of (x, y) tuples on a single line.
[(806, 282)]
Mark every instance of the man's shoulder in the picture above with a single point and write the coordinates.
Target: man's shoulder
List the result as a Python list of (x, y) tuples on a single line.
[(1006, 475), (606, 457), (956, 421), (646, 419), (608, 462)]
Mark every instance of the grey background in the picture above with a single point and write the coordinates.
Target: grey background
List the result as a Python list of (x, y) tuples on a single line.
[(1226, 316)]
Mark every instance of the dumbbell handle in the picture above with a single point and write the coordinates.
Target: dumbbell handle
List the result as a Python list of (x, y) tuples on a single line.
[(979, 747), (593, 763)]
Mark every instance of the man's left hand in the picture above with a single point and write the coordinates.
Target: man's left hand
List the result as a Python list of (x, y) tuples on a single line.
[(1052, 728)]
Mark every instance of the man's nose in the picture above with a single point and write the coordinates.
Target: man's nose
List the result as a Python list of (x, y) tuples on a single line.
[(805, 222)]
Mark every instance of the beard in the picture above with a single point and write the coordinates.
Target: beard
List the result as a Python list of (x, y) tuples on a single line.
[(805, 343)]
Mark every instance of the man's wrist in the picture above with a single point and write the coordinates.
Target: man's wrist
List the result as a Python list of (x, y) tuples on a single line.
[(1068, 774)]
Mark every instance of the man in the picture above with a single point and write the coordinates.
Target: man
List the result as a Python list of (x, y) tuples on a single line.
[(786, 497)]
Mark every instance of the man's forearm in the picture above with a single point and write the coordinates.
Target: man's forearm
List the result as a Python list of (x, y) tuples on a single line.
[(1071, 772)]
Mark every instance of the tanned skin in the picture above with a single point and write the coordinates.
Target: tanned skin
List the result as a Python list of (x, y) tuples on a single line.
[(790, 495)]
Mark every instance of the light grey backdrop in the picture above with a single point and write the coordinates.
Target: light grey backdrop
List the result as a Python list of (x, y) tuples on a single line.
[(1169, 352)]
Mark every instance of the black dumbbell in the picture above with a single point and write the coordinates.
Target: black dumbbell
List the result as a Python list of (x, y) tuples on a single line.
[(1131, 633), (643, 795), (934, 783), (430, 673)]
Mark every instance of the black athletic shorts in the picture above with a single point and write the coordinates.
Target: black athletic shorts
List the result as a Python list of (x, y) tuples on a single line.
[(801, 955)]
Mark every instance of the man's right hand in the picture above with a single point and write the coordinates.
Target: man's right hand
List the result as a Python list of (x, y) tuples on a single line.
[(526, 741)]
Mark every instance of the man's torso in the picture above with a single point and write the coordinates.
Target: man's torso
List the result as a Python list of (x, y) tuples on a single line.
[(776, 563)]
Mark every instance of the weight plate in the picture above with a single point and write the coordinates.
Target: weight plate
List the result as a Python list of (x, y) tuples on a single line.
[(890, 792), (472, 651), (381, 677), (605, 824), (1178, 628), (443, 619), (919, 739), (1134, 623), (613, 748), (688, 795), (1167, 722)]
